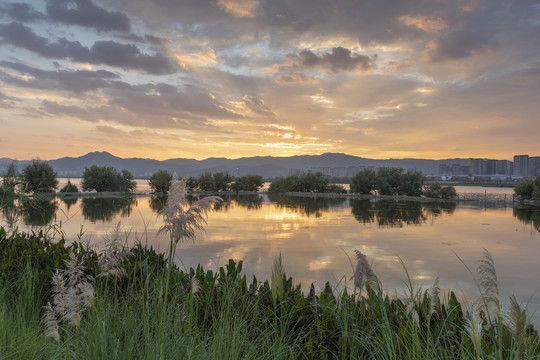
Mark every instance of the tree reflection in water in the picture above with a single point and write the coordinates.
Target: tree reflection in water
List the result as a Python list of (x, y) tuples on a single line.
[(307, 206), (528, 216), (395, 213), (39, 211), (105, 208), (69, 201), (251, 202)]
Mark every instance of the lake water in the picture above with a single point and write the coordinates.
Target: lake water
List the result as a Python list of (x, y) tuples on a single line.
[(316, 237)]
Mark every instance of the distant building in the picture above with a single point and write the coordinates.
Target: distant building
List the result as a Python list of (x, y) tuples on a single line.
[(521, 165), (534, 167), (478, 166), (338, 172), (325, 170)]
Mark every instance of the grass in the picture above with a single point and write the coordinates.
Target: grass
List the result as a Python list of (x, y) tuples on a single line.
[(222, 315)]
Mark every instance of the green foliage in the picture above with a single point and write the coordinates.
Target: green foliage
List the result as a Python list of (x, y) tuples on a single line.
[(528, 189), (69, 188), (363, 182), (106, 178), (39, 177), (206, 182), (160, 181), (310, 182), (248, 183), (437, 191), (222, 181)]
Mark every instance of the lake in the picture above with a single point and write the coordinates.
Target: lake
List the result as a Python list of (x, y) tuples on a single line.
[(317, 236)]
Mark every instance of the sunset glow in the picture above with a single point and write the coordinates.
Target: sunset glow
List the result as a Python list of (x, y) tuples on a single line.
[(237, 78)]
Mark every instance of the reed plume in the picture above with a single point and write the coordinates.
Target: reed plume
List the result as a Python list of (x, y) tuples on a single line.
[(182, 220), (277, 279), (488, 284), (435, 291), (516, 320), (113, 255), (363, 274), (51, 322), (473, 327), (73, 291)]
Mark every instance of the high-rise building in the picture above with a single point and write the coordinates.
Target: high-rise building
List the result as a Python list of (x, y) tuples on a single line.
[(534, 167), (478, 166), (521, 165)]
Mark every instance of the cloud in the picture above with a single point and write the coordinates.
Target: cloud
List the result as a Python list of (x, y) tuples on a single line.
[(78, 81), (7, 102), (105, 52), (257, 106), (340, 59), (460, 44), (86, 14), (22, 12), (295, 78)]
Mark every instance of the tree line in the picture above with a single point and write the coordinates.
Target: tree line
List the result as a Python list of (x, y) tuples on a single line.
[(161, 180)]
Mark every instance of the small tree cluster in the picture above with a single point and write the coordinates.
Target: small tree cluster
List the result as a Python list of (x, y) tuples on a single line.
[(528, 189), (106, 178), (388, 181), (310, 182), (38, 177), (438, 191), (160, 181)]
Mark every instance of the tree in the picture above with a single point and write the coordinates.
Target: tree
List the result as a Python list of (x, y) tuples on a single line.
[(411, 183), (222, 181), (39, 177), (248, 183), (437, 191), (126, 181), (160, 181), (363, 182), (206, 182), (388, 180), (10, 179), (106, 178)]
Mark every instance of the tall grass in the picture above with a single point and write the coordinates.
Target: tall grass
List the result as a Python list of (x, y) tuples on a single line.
[(145, 307)]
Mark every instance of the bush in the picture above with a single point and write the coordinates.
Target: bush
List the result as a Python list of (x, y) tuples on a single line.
[(39, 177), (69, 188), (106, 178), (437, 191), (363, 182), (524, 190), (310, 182)]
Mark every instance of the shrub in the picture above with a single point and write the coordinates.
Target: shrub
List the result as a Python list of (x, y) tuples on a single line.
[(69, 188), (524, 190), (106, 178), (315, 182), (39, 177), (437, 191)]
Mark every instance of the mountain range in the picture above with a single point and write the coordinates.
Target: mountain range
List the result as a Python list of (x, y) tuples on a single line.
[(267, 166)]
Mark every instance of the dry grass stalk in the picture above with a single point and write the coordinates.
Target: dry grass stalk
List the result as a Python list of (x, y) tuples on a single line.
[(473, 326), (277, 279), (113, 255), (363, 274), (488, 284), (73, 291), (516, 320), (51, 322), (183, 221), (435, 291)]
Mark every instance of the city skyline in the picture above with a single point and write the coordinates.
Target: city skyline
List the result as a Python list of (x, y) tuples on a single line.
[(241, 78)]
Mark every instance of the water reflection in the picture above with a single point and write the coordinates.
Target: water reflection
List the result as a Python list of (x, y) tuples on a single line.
[(38, 211), (306, 206), (69, 201), (528, 216), (106, 208), (158, 202), (395, 214)]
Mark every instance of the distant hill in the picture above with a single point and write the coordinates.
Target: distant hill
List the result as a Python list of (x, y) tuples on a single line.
[(267, 166)]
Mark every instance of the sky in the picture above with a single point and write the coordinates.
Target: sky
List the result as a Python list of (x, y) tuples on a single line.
[(165, 79)]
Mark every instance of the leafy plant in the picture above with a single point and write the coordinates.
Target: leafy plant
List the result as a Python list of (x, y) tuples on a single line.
[(39, 177)]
